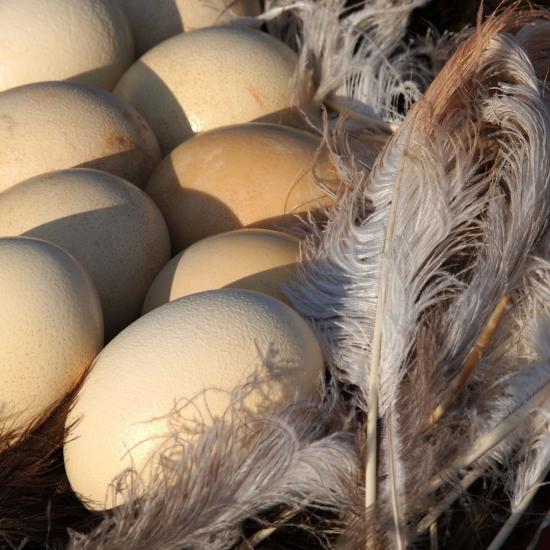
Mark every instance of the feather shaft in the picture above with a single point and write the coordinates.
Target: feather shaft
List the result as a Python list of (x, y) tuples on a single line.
[(269, 15), (464, 484), (484, 340), (261, 535), (491, 439), (434, 536), (373, 382), (544, 524), (365, 119), (397, 520), (516, 515)]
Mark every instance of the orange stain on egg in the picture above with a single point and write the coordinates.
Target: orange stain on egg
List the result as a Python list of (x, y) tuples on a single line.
[(256, 95)]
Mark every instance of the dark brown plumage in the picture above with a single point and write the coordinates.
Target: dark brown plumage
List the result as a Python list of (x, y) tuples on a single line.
[(37, 504)]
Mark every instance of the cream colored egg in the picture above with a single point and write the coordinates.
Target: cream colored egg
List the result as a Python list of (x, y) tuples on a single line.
[(191, 353), (237, 176), (153, 22), (252, 259), (209, 78), (86, 41), (113, 228), (51, 327), (57, 125)]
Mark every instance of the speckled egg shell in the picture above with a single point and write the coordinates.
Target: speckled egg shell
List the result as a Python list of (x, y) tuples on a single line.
[(110, 226), (51, 327), (192, 352), (153, 22), (251, 259), (209, 78), (237, 176), (57, 125), (86, 41)]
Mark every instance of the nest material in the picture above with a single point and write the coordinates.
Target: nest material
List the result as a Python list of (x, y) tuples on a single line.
[(296, 480), (37, 505)]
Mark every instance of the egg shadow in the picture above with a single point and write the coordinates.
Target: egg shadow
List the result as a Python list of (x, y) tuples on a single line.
[(91, 77), (292, 223), (172, 121), (187, 229), (137, 152), (173, 114), (70, 232), (308, 119), (204, 215), (126, 165), (267, 280), (172, 24), (168, 273), (255, 281)]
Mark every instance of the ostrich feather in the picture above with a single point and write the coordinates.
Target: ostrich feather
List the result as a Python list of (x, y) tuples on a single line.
[(528, 469), (438, 233), (237, 470), (520, 405), (530, 474), (357, 56), (535, 464), (340, 43), (356, 257)]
